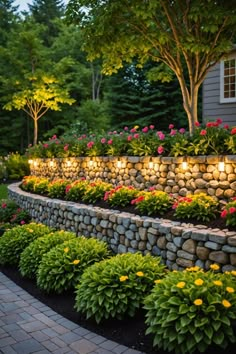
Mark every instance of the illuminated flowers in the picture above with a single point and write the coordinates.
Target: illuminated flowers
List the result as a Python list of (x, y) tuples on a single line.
[(181, 284), (76, 261), (140, 274), (226, 303), (198, 282), (124, 278), (198, 302)]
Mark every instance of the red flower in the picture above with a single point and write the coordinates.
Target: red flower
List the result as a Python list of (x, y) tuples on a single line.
[(110, 142), (197, 124), (226, 126), (133, 130), (90, 144), (137, 200), (151, 127), (54, 137), (145, 130), (4, 205), (203, 132), (103, 140), (66, 147), (173, 132), (45, 146), (160, 149), (136, 136), (219, 121), (224, 213), (233, 131), (171, 126), (232, 210), (129, 138)]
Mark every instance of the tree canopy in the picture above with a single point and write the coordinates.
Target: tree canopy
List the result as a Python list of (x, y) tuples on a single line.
[(187, 36)]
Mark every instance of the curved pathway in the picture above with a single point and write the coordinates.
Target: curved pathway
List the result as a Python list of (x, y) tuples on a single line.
[(28, 326)]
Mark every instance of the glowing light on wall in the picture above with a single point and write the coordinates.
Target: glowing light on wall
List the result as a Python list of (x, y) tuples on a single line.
[(221, 166), (184, 165), (68, 163)]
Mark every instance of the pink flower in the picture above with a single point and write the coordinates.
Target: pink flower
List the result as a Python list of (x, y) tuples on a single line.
[(224, 213), (219, 121), (160, 149), (90, 144), (182, 130), (145, 130), (133, 130), (129, 138), (66, 147), (83, 136), (210, 124), (54, 137), (45, 146), (161, 136), (173, 132), (233, 131), (152, 189), (115, 132), (151, 127), (136, 136), (22, 222), (171, 126), (4, 205), (203, 132), (126, 128), (103, 140), (226, 126), (232, 210), (197, 124), (110, 133), (110, 142)]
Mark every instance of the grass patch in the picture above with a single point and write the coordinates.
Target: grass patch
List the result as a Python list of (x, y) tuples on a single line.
[(3, 191)]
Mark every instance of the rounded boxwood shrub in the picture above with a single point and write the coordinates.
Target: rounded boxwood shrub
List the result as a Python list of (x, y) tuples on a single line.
[(14, 241), (61, 267), (190, 310), (32, 255), (116, 287)]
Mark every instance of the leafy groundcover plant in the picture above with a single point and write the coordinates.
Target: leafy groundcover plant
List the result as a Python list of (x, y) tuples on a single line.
[(61, 268), (153, 202), (57, 188), (11, 213), (198, 206), (14, 241), (120, 195), (116, 287), (76, 190), (229, 213), (32, 255), (95, 191), (191, 310)]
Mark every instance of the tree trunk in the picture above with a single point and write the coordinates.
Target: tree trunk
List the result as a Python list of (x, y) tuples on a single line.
[(35, 130)]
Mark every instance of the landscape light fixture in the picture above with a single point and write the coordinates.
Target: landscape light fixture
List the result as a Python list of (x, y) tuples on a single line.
[(184, 164), (51, 163), (68, 162), (221, 165)]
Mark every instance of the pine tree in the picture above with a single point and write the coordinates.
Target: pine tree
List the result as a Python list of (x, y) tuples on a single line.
[(8, 17)]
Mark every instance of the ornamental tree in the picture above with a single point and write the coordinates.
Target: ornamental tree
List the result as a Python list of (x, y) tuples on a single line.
[(187, 36)]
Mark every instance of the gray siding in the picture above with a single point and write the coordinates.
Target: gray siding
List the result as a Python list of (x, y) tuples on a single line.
[(211, 106)]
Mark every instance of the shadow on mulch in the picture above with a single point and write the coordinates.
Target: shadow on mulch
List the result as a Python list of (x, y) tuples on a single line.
[(129, 332)]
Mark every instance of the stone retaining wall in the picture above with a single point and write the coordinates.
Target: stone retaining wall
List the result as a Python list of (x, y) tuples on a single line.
[(200, 173), (180, 245)]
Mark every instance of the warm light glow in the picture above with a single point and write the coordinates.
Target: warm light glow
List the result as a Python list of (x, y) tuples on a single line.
[(150, 165), (184, 165), (119, 164), (51, 163), (68, 163), (35, 163), (30, 161), (221, 166), (90, 163)]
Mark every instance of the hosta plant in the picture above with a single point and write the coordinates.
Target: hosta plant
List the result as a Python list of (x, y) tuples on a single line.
[(229, 213), (116, 287), (61, 268), (95, 191), (120, 195), (14, 241), (200, 206), (32, 255), (153, 202), (57, 188), (76, 190), (191, 310)]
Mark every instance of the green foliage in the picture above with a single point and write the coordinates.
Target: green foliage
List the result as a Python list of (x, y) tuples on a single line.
[(191, 310), (3, 191), (153, 202), (62, 267), (32, 255), (14, 241), (143, 144), (120, 195), (28, 183), (230, 142), (41, 186), (198, 206), (229, 213), (76, 190), (16, 166), (11, 213), (57, 188), (95, 191), (116, 287)]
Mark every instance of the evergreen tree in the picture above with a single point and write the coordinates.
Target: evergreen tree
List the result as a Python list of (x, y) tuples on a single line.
[(8, 17)]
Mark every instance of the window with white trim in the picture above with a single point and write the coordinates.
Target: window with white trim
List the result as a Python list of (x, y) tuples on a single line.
[(228, 80)]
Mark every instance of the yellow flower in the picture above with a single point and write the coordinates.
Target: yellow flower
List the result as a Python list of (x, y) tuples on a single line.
[(218, 282), (229, 289), (214, 267), (30, 230), (66, 250), (198, 281), (233, 272), (140, 274), (226, 303), (157, 281), (198, 302), (136, 127), (193, 269), (181, 284), (124, 277), (76, 261)]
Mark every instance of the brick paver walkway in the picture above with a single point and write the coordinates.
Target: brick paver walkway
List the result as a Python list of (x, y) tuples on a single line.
[(28, 326)]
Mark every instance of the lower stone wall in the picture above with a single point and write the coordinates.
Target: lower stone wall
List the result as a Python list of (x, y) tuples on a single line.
[(180, 245)]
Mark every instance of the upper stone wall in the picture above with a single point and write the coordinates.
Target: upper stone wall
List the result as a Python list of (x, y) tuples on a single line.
[(169, 174)]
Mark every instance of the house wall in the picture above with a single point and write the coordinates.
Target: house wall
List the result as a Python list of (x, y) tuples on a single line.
[(211, 106)]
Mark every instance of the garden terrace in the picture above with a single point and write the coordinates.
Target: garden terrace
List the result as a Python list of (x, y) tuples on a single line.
[(214, 175), (180, 245)]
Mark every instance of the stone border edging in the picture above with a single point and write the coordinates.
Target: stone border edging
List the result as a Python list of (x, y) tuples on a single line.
[(180, 245)]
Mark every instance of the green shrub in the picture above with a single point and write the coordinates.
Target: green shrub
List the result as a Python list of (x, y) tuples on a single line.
[(153, 202), (95, 191), (198, 206), (41, 186), (76, 190), (11, 213), (61, 267), (229, 212), (14, 241), (17, 166), (116, 287), (32, 255), (57, 188), (120, 195), (29, 182), (190, 310)]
